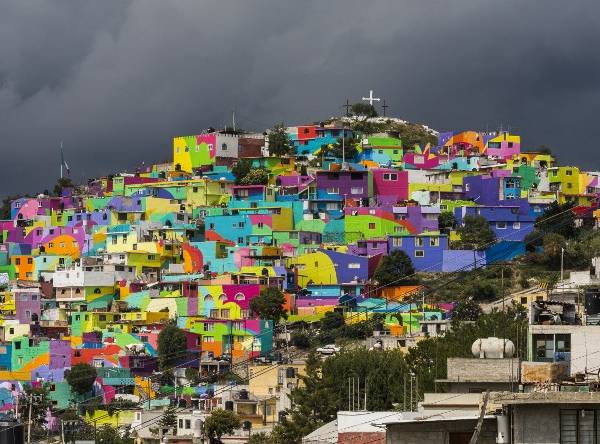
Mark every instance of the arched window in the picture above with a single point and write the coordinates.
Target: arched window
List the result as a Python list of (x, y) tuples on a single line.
[(239, 297), (208, 299), (222, 299), (97, 291)]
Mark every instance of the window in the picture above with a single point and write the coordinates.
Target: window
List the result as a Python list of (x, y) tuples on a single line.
[(434, 241), (333, 190), (224, 147), (114, 240), (419, 241), (356, 190), (239, 297), (353, 265), (397, 241), (419, 253), (569, 172), (188, 424), (208, 326), (356, 176), (180, 423), (240, 240), (242, 193), (331, 206), (372, 225), (516, 225), (467, 187), (578, 426), (241, 224), (261, 225), (18, 345), (208, 339)]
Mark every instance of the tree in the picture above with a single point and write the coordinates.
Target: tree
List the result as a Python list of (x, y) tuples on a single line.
[(257, 176), (466, 310), (172, 346), (5, 210), (395, 269), (81, 378), (475, 233), (241, 169), (40, 402), (554, 244), (279, 142), (269, 305), (169, 418), (557, 218), (314, 403), (332, 320), (446, 222), (481, 290), (343, 148), (413, 134), (220, 422), (260, 438), (111, 435), (192, 375), (63, 182), (300, 340), (364, 109)]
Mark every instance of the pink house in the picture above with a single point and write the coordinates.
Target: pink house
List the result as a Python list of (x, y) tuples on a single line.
[(390, 186)]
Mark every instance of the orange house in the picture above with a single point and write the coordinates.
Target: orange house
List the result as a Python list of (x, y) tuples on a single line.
[(24, 267)]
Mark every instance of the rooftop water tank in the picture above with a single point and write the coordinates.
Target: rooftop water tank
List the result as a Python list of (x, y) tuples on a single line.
[(493, 348)]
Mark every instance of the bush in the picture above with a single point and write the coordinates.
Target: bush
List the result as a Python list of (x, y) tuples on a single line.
[(300, 340)]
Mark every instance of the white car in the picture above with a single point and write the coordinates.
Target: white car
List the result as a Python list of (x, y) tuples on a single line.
[(328, 349)]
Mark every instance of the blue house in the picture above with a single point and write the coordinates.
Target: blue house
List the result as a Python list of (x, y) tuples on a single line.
[(509, 223), (426, 251)]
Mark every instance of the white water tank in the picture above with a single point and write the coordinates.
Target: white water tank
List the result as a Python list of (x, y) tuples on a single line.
[(494, 348)]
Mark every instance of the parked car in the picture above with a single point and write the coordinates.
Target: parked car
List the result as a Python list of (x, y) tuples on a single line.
[(328, 349)]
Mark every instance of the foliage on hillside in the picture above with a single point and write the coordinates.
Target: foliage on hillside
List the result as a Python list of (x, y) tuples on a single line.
[(383, 372)]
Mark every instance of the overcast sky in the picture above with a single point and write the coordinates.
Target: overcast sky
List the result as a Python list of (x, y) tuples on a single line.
[(116, 80)]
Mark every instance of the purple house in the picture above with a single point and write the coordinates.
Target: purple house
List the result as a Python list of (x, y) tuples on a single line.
[(369, 247), (354, 185), (27, 305), (421, 218)]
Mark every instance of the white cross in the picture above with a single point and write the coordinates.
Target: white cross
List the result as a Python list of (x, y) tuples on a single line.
[(371, 99)]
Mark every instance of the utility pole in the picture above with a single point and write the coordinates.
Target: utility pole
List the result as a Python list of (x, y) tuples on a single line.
[(29, 419), (149, 391), (477, 431), (562, 261), (385, 107), (37, 398)]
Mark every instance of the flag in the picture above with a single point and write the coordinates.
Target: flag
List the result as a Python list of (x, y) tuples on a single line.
[(63, 162)]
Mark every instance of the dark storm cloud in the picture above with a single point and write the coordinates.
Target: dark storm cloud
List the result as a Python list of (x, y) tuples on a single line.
[(117, 79)]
